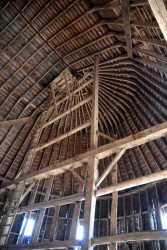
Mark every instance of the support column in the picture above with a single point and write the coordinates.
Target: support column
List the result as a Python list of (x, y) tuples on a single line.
[(90, 200), (113, 221)]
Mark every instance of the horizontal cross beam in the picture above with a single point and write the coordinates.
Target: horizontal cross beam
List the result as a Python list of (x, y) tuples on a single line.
[(101, 152)]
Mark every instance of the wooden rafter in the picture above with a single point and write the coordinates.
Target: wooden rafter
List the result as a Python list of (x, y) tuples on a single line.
[(14, 122)]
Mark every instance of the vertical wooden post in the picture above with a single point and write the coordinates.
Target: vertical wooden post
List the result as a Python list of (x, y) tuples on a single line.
[(113, 222), (90, 201), (75, 219), (42, 211)]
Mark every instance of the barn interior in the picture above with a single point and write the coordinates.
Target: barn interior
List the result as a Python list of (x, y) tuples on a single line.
[(83, 124)]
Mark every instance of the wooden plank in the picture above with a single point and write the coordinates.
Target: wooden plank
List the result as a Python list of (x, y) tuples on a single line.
[(136, 236), (61, 137), (90, 199), (160, 13), (133, 183), (14, 122), (126, 22), (101, 152), (111, 165), (89, 98)]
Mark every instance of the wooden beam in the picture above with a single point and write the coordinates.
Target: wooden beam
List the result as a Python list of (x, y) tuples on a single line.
[(151, 54), (133, 183), (54, 223), (54, 99), (26, 192), (39, 220), (155, 42), (154, 65), (114, 205), (125, 237), (101, 152), (76, 214), (58, 244), (105, 136), (52, 203), (111, 165), (126, 21), (90, 198), (75, 174), (14, 122), (160, 13), (87, 99), (61, 137), (67, 85)]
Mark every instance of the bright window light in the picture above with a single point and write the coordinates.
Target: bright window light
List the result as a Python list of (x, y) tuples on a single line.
[(29, 227), (80, 232), (164, 219)]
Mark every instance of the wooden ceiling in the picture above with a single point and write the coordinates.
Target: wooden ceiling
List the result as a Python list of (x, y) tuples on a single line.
[(39, 39)]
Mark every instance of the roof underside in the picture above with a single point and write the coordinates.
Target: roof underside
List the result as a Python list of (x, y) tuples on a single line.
[(39, 39)]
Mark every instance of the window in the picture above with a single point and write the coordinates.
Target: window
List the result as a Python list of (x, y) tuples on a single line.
[(164, 217), (80, 232), (27, 226)]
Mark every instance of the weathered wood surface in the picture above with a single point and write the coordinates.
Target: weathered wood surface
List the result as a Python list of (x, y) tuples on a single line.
[(128, 142)]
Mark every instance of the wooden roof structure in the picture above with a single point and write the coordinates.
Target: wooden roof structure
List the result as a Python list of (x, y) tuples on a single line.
[(47, 53)]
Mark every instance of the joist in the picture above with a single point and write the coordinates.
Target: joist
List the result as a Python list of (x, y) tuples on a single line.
[(101, 152), (111, 165), (14, 122), (87, 99), (126, 21), (61, 137)]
